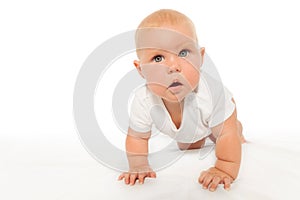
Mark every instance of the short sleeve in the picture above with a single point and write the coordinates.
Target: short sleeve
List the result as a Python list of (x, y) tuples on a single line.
[(140, 119), (222, 107)]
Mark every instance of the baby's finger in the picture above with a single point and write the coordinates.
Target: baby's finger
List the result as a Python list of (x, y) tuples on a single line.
[(227, 183), (126, 178), (214, 184), (133, 178), (121, 177), (142, 177), (207, 180), (202, 176), (152, 174)]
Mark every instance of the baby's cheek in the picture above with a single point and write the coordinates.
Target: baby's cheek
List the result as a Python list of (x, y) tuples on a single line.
[(155, 73), (156, 88), (193, 76)]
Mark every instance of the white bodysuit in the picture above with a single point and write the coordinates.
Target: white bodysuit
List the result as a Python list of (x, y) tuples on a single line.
[(209, 106)]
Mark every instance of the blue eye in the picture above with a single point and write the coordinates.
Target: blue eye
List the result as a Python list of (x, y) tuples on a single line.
[(183, 53), (158, 58)]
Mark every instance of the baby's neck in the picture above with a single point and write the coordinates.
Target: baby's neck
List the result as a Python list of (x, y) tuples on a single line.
[(174, 106), (175, 110)]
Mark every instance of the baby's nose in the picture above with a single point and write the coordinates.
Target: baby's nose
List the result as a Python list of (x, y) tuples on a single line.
[(174, 65)]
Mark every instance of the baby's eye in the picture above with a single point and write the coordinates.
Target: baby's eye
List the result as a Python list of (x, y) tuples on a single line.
[(183, 53), (158, 58)]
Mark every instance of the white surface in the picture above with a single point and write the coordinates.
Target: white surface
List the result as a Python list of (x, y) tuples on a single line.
[(58, 169), (254, 44)]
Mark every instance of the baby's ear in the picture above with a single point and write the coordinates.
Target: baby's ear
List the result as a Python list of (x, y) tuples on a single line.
[(138, 67), (202, 51)]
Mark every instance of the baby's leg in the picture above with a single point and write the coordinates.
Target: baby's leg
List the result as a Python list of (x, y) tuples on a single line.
[(240, 131), (187, 146), (239, 125)]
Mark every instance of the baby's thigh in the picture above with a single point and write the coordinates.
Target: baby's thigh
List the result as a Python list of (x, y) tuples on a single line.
[(188, 146)]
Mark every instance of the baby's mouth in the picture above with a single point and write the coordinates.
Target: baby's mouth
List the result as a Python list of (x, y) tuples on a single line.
[(175, 84)]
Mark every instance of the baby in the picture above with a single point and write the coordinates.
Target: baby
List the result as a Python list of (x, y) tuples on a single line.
[(178, 101)]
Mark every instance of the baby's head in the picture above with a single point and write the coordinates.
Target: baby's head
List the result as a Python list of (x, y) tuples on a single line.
[(169, 55)]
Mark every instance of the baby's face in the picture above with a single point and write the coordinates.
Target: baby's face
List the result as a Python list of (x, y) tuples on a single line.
[(170, 61)]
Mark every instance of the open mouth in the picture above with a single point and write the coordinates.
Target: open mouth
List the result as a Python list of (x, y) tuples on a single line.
[(175, 84)]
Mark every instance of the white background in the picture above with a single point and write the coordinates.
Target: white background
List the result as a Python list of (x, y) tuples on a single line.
[(254, 44)]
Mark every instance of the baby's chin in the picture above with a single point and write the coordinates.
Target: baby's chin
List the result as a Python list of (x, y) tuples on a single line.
[(167, 94), (174, 98)]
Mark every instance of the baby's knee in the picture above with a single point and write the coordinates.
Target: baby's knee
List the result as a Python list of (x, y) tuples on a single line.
[(239, 126), (240, 131), (188, 146)]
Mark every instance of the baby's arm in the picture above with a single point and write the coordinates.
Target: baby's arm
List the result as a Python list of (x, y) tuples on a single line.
[(228, 153), (137, 154)]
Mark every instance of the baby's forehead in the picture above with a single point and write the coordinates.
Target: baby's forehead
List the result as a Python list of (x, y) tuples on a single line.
[(163, 39)]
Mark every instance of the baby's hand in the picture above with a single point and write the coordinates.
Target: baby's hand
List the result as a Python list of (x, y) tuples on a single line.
[(213, 177), (134, 174)]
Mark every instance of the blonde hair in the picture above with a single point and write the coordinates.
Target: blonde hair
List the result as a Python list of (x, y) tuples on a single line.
[(165, 17)]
